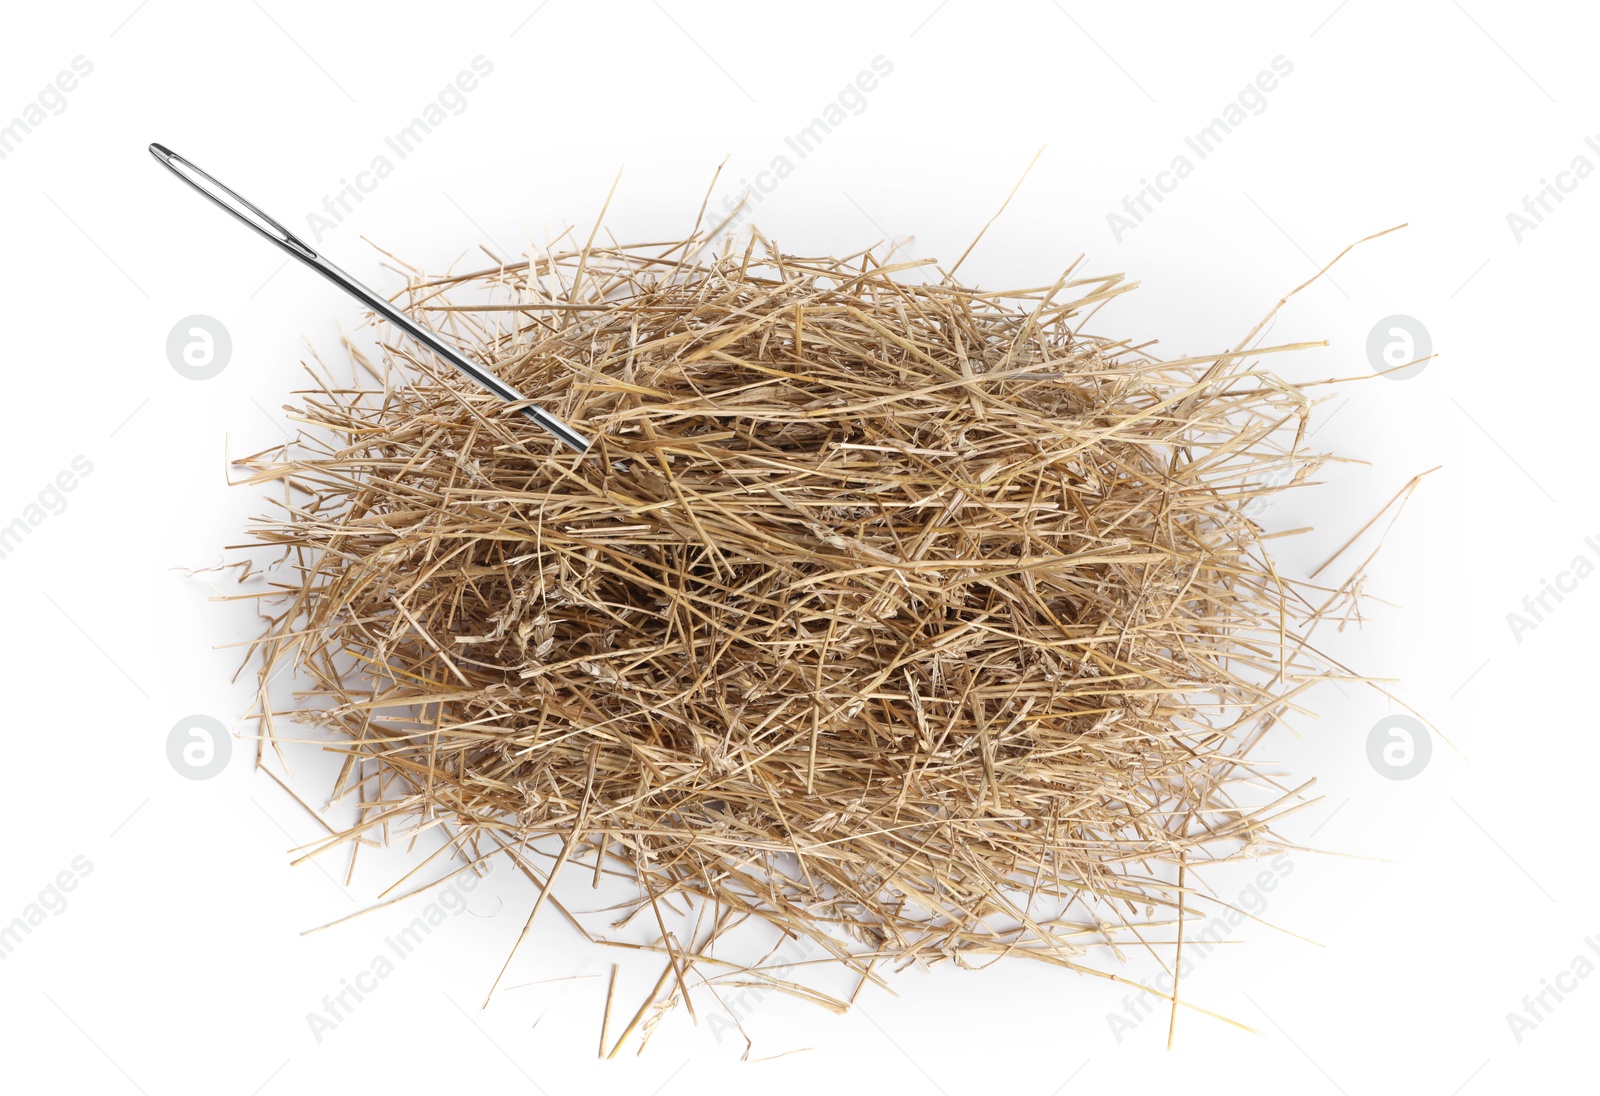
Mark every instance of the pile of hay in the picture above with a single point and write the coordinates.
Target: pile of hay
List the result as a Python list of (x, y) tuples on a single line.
[(905, 617)]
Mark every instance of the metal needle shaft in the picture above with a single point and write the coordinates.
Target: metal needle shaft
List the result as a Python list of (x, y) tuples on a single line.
[(297, 248)]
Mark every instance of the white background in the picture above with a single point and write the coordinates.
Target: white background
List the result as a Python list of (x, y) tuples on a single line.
[(178, 964)]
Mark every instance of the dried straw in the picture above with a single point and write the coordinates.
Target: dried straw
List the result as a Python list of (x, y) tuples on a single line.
[(901, 616)]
